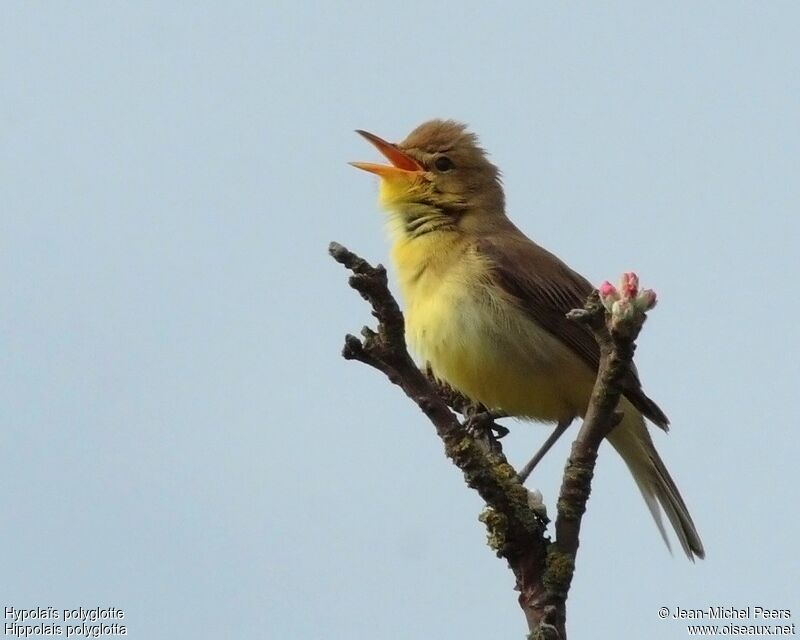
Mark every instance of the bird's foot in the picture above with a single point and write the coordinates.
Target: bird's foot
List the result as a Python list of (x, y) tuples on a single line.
[(480, 420), (480, 424)]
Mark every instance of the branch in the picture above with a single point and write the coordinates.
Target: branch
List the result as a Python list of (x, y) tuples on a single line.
[(616, 331), (516, 528)]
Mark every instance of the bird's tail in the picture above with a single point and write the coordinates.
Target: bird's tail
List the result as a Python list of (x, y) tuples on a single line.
[(632, 441)]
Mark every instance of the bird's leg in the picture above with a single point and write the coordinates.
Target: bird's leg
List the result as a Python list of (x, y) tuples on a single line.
[(480, 422), (561, 427)]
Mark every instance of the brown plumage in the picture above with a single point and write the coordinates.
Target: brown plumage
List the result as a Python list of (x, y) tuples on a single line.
[(547, 293)]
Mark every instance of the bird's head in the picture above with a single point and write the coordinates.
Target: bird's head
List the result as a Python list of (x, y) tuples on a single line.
[(439, 178)]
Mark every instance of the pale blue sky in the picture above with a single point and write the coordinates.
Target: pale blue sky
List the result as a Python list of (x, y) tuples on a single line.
[(180, 436)]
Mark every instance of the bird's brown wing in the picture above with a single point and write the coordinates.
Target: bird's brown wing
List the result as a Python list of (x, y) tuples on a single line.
[(547, 289)]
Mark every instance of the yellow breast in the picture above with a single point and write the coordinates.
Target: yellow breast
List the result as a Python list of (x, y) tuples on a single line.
[(477, 341)]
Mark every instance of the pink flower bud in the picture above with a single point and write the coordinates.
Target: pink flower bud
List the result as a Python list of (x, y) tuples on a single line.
[(626, 302), (608, 290), (646, 299), (629, 284), (608, 294)]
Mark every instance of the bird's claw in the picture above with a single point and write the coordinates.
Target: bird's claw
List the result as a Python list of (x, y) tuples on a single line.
[(480, 424)]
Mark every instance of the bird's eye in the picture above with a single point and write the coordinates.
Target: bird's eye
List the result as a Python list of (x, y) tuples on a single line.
[(443, 163)]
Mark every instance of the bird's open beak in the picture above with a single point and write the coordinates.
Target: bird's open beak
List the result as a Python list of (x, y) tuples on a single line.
[(402, 163)]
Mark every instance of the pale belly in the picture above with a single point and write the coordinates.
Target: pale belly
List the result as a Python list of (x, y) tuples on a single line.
[(495, 355)]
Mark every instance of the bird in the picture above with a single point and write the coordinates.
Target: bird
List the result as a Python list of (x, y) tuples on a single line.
[(485, 306)]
